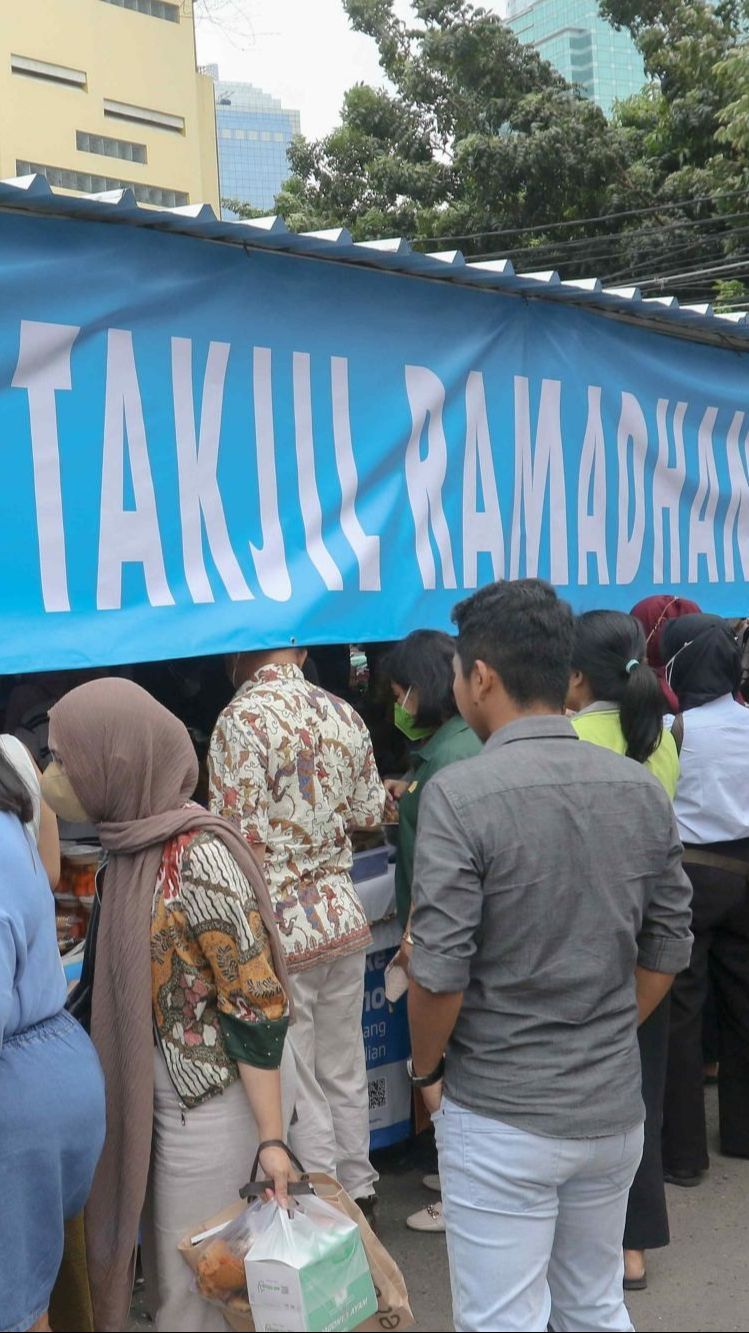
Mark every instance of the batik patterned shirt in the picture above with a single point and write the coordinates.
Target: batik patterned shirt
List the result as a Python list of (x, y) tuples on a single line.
[(216, 998), (293, 767)]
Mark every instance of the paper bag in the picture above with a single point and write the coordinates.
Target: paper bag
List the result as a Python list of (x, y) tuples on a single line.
[(393, 1309)]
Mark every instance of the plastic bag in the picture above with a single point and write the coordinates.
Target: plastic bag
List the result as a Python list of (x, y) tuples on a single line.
[(308, 1270), (218, 1259), (393, 1309)]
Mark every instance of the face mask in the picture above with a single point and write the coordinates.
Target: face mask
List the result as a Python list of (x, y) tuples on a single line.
[(670, 664), (406, 722), (57, 791)]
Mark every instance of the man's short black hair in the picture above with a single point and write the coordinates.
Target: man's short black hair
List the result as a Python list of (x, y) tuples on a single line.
[(525, 632)]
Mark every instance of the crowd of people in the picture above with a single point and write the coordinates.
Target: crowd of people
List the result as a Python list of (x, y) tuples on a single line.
[(571, 878)]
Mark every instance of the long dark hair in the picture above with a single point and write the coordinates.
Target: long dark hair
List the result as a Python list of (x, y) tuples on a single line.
[(424, 661), (610, 650), (15, 797)]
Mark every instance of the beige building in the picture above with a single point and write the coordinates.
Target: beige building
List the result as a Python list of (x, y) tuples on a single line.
[(101, 94)]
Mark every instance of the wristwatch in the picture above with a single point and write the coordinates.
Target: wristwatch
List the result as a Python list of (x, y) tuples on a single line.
[(425, 1080)]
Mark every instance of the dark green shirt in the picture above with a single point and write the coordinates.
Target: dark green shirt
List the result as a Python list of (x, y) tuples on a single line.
[(454, 740)]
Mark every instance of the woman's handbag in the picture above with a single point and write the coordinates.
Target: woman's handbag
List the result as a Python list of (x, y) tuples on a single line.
[(80, 998)]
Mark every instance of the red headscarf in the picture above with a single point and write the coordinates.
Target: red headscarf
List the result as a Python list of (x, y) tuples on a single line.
[(653, 613)]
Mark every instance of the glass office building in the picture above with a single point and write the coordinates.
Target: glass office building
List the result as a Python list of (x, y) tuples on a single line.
[(586, 50), (254, 132)]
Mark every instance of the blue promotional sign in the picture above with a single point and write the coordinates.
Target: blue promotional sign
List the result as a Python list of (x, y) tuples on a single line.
[(207, 449), (387, 1046)]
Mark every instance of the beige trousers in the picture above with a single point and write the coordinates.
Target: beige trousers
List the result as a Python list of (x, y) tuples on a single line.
[(330, 1129), (200, 1159)]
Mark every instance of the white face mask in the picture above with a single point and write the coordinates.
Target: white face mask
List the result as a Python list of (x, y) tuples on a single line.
[(670, 664)]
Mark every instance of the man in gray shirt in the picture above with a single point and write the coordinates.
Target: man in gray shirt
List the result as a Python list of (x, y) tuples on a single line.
[(550, 915)]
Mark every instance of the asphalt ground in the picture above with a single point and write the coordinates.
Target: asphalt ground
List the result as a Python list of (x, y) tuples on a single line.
[(700, 1282)]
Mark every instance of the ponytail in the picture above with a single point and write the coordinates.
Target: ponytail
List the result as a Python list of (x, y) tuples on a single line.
[(610, 652), (641, 712)]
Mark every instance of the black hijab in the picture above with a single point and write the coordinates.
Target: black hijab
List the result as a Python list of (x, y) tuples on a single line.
[(704, 658)]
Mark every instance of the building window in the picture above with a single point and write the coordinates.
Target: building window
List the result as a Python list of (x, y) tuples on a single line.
[(107, 147), (86, 183), (158, 9), (40, 69), (143, 115)]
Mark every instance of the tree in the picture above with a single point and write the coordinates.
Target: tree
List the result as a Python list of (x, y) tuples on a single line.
[(479, 144), (687, 136), (477, 135)]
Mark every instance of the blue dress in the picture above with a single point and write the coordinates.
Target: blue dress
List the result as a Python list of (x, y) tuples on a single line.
[(51, 1089)]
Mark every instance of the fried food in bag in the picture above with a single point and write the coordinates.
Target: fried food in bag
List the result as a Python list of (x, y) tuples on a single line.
[(219, 1270)]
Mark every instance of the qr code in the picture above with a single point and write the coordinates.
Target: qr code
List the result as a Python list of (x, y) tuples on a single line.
[(378, 1094)]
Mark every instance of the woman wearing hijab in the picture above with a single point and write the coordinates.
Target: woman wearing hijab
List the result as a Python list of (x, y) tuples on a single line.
[(618, 704), (189, 1008), (703, 667), (654, 613), (51, 1088)]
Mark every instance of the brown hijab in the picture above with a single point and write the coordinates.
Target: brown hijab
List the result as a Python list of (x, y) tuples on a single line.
[(132, 765)]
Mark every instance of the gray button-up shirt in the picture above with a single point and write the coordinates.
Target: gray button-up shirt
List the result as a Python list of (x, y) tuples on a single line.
[(546, 869)]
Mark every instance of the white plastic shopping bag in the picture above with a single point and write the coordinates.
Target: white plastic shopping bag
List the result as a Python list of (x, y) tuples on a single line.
[(308, 1270)]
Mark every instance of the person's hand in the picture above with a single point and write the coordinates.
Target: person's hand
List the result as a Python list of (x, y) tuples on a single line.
[(390, 813), (276, 1166), (403, 956), (395, 789), (432, 1097)]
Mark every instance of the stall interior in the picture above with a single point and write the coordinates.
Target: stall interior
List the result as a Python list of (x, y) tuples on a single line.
[(196, 689)]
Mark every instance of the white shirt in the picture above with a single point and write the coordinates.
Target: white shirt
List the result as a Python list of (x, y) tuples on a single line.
[(19, 758), (712, 798)]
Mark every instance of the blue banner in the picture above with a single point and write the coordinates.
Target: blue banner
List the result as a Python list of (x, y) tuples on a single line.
[(206, 448)]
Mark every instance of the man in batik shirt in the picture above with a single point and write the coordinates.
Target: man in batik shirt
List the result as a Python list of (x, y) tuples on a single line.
[(293, 766)]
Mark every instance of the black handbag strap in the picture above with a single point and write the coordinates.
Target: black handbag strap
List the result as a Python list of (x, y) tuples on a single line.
[(677, 731), (80, 999), (256, 1188), (275, 1143)]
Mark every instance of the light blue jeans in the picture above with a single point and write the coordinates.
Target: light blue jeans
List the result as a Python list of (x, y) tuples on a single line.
[(534, 1225)]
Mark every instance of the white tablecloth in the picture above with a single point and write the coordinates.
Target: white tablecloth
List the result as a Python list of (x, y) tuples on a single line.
[(378, 900)]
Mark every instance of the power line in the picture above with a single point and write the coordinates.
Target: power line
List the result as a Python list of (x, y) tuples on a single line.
[(642, 275), (581, 222), (614, 240), (694, 273)]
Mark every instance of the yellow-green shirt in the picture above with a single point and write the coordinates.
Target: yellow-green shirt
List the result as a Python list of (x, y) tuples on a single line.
[(600, 725)]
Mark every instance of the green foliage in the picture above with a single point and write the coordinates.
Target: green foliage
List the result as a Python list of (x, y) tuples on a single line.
[(476, 133), (477, 143), (731, 293)]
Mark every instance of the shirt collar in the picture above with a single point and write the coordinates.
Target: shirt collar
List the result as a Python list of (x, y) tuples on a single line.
[(453, 727), (545, 726), (274, 671), (600, 706)]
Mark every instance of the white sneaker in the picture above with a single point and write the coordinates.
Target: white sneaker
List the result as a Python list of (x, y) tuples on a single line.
[(429, 1219), (432, 1183)]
